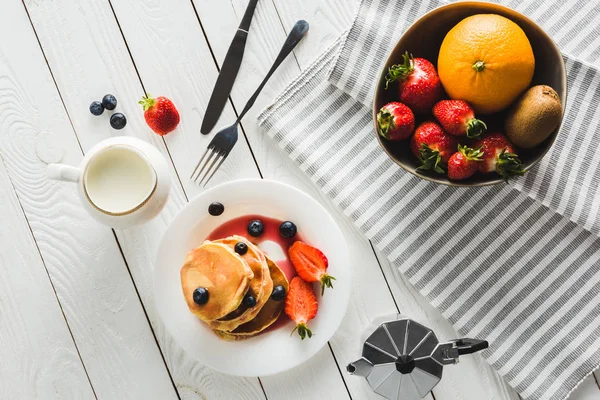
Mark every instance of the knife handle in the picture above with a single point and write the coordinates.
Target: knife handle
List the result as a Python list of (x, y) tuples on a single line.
[(247, 18), (294, 37)]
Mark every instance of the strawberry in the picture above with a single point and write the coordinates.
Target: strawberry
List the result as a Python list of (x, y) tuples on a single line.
[(310, 264), (458, 118), (432, 146), (420, 87), (499, 156), (395, 121), (160, 114), (301, 305), (464, 163)]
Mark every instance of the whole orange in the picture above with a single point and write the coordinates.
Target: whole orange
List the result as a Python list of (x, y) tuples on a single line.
[(487, 61)]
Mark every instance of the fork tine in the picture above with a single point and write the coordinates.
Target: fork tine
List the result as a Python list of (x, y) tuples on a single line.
[(216, 169), (212, 154), (199, 162), (209, 170)]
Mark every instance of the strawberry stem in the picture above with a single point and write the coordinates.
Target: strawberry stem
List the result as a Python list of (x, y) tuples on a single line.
[(430, 159), (326, 282), (475, 128), (470, 153), (303, 331), (509, 165), (400, 71), (147, 101), (385, 121), (479, 66)]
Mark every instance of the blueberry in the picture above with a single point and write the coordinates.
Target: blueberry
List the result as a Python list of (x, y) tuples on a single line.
[(216, 208), (200, 296), (241, 248), (96, 108), (109, 102), (256, 228), (249, 300), (278, 293), (287, 229), (118, 121)]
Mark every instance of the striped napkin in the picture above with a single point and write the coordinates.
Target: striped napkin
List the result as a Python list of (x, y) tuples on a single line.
[(515, 264)]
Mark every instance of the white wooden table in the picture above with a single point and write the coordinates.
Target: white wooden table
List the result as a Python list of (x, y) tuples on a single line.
[(77, 314)]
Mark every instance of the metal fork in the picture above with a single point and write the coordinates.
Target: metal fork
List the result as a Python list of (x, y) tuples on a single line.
[(219, 148)]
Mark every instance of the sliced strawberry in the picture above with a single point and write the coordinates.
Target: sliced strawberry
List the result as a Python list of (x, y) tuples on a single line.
[(499, 156), (395, 121), (464, 163), (310, 264), (301, 305), (458, 118), (419, 84)]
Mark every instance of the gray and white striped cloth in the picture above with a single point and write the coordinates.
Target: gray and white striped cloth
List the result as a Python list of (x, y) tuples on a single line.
[(518, 265)]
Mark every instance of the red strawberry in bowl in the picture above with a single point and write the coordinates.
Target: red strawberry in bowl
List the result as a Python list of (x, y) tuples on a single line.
[(458, 118), (464, 163), (432, 146), (499, 156), (395, 121), (419, 84), (160, 114)]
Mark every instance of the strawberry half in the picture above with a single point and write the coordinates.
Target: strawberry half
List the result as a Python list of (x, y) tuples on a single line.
[(395, 121), (310, 264), (301, 306), (419, 84), (499, 156), (160, 114), (464, 163), (432, 146), (458, 118)]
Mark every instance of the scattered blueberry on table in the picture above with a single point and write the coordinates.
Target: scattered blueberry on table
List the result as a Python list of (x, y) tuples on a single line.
[(109, 102), (96, 108), (118, 121)]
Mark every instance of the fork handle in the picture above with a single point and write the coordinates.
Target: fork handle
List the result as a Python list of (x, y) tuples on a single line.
[(294, 37)]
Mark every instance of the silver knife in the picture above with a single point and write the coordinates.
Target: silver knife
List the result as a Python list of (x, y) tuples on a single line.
[(229, 70)]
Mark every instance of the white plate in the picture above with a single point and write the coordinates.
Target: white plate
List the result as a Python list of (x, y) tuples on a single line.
[(273, 351)]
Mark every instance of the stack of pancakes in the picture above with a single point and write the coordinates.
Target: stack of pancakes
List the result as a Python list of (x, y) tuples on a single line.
[(229, 277)]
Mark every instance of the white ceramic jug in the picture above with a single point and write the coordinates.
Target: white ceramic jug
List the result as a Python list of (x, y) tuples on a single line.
[(122, 181)]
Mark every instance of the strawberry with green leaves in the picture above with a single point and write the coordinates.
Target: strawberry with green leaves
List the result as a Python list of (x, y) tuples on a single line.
[(458, 118), (301, 306), (160, 114), (395, 121), (464, 163), (432, 146), (310, 264), (419, 85), (499, 156)]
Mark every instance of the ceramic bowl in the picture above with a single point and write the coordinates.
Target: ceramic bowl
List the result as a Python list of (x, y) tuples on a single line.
[(424, 38)]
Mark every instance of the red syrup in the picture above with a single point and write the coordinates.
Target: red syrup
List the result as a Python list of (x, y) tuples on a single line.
[(238, 226)]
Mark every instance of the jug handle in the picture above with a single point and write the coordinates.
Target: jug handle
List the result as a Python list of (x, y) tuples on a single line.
[(62, 172), (469, 346)]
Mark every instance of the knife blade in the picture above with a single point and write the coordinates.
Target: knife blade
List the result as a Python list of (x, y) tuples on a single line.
[(229, 70)]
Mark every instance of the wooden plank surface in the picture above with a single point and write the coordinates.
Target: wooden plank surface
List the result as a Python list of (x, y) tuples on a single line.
[(83, 260), (167, 47)]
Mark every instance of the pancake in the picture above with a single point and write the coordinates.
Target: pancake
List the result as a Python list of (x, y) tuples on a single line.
[(267, 315), (222, 272), (260, 287)]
